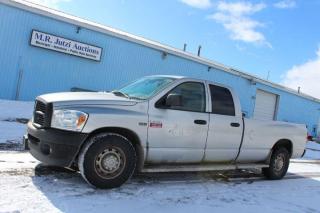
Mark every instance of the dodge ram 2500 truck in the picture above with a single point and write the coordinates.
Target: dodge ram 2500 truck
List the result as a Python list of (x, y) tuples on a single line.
[(158, 124)]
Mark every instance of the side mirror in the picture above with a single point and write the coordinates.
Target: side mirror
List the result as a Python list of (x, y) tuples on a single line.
[(174, 100)]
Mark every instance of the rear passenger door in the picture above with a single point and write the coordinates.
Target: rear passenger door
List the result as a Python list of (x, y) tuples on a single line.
[(225, 128)]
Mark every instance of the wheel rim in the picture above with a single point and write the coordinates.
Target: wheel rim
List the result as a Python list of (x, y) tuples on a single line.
[(279, 162), (110, 163)]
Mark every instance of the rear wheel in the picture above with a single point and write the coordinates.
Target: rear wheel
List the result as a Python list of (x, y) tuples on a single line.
[(279, 164), (107, 161)]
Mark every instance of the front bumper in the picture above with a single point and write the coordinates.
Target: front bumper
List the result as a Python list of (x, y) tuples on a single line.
[(54, 147)]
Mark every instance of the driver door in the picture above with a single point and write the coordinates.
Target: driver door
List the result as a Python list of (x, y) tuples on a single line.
[(177, 133)]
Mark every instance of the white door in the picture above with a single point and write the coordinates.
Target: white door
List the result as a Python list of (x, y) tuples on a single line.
[(177, 133), (225, 128), (265, 107)]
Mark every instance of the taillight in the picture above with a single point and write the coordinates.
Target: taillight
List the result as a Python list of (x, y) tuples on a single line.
[(309, 138)]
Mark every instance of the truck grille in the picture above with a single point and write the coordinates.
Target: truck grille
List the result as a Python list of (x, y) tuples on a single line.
[(42, 114)]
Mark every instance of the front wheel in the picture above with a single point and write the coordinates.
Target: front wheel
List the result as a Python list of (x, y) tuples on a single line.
[(107, 161), (279, 164)]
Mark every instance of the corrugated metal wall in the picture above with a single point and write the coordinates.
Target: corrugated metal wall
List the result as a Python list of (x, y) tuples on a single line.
[(44, 71)]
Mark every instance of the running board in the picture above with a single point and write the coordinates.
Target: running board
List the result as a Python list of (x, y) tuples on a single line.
[(200, 168)]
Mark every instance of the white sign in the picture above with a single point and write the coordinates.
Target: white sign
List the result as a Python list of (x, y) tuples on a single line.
[(51, 42)]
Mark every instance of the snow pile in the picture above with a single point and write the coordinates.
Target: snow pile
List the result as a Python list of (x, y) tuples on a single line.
[(12, 113), (15, 109), (312, 150)]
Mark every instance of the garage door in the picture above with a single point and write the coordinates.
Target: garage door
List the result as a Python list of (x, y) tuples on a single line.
[(265, 107)]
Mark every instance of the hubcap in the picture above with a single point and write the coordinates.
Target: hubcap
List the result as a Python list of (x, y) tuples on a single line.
[(279, 162), (110, 163)]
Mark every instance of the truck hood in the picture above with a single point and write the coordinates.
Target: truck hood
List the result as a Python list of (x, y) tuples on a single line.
[(86, 98)]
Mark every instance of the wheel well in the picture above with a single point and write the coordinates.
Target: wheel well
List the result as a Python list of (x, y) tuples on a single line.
[(283, 143), (130, 135)]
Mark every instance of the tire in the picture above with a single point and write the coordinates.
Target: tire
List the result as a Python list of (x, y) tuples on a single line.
[(107, 161), (279, 164)]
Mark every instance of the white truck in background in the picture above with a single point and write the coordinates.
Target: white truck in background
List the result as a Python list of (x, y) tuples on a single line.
[(158, 124)]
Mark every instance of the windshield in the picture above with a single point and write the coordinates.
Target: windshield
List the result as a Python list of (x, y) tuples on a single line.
[(145, 88)]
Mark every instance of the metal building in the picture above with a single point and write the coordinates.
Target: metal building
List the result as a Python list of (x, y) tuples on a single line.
[(43, 50)]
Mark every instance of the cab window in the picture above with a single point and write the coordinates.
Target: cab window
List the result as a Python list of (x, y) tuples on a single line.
[(188, 96), (222, 101)]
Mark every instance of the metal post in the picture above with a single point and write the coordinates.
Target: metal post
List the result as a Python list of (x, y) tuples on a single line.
[(199, 50), (19, 84), (268, 74), (19, 80)]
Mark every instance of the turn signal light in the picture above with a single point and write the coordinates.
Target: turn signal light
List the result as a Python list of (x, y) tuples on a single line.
[(81, 120)]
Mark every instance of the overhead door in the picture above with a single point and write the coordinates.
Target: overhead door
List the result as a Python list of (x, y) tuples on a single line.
[(265, 107)]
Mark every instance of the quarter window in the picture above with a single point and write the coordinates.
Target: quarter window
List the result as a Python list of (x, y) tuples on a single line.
[(222, 101)]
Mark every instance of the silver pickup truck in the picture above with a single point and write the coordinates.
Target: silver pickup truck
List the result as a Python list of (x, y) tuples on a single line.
[(158, 124)]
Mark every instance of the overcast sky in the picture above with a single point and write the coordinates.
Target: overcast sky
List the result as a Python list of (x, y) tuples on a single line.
[(277, 36)]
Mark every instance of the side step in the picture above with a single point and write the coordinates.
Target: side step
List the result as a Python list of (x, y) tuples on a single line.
[(200, 168)]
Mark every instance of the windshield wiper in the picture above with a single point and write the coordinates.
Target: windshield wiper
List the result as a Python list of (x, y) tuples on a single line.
[(137, 98), (118, 93)]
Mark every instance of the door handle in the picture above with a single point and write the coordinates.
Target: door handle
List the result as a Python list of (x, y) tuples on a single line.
[(200, 122), (235, 124)]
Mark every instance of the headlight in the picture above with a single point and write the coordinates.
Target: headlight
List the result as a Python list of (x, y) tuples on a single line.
[(68, 119)]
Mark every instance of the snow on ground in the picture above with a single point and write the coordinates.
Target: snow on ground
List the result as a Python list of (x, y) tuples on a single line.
[(313, 150), (12, 130), (67, 192), (49, 194), (15, 109)]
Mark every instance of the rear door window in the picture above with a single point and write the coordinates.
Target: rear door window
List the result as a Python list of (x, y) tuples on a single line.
[(222, 101)]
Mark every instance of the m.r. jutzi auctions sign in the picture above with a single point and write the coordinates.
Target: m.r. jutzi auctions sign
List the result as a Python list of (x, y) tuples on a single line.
[(59, 44)]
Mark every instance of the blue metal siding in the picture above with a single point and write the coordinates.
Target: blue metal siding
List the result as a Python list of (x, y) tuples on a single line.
[(122, 61), (9, 52), (292, 108)]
